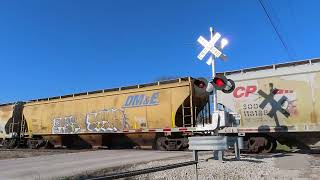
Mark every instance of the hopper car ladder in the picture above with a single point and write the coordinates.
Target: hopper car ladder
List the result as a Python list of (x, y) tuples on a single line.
[(187, 113), (12, 125), (22, 127)]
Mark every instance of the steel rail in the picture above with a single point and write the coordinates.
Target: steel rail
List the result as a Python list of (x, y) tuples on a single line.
[(143, 171)]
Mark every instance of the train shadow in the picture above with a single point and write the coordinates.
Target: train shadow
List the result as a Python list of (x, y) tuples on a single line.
[(266, 155), (253, 158), (306, 151), (242, 159)]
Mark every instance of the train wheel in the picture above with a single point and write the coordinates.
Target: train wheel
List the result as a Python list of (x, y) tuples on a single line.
[(9, 143), (171, 144), (271, 145), (161, 143), (274, 147), (35, 143), (256, 144), (252, 145), (31, 144)]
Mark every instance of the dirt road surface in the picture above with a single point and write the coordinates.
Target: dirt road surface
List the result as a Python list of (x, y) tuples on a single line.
[(69, 164), (25, 153), (297, 166), (78, 165)]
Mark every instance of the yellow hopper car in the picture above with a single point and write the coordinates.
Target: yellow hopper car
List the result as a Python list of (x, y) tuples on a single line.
[(159, 115)]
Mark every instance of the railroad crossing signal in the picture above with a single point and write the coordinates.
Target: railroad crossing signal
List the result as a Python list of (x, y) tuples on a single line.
[(209, 46)]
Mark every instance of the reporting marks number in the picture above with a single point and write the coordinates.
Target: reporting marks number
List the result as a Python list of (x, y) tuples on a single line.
[(141, 100)]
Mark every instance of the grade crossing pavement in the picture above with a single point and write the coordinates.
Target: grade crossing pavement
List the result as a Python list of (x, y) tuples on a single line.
[(69, 164)]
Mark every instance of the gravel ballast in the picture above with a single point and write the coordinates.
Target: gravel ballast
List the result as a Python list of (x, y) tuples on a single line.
[(247, 168)]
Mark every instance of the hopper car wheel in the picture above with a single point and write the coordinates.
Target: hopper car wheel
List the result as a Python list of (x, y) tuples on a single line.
[(251, 145), (161, 143), (36, 144), (271, 145), (262, 144), (256, 144), (9, 143), (171, 144)]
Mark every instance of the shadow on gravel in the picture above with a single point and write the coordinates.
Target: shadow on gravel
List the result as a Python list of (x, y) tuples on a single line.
[(309, 151), (244, 160), (300, 151), (264, 156), (234, 159), (283, 153)]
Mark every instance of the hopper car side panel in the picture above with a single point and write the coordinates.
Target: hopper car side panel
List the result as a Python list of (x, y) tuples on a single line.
[(106, 113), (159, 114), (277, 102), (299, 113)]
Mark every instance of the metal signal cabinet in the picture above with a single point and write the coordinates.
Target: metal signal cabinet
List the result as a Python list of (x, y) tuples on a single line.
[(276, 102), (165, 106)]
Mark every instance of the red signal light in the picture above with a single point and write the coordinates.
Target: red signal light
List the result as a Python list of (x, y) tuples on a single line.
[(219, 82)]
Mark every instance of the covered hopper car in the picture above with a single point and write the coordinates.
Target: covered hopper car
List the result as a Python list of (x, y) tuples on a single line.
[(159, 115), (278, 102)]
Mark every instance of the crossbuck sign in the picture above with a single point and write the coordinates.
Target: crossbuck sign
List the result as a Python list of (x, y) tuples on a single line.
[(209, 46)]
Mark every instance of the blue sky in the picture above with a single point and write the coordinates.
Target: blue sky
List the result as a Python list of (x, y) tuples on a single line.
[(50, 48)]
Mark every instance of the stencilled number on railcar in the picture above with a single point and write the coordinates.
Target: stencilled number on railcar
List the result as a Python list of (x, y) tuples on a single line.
[(253, 110), (250, 106)]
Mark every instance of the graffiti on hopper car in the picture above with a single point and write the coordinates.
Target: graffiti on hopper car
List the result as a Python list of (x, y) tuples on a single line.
[(65, 125), (106, 120)]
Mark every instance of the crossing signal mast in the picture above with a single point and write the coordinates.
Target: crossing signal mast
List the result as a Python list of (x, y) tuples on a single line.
[(219, 118), (218, 82)]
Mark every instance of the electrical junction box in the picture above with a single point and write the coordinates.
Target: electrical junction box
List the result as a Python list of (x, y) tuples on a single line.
[(221, 119)]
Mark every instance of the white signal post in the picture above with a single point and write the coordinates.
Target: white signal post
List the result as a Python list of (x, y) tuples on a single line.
[(215, 52), (213, 65)]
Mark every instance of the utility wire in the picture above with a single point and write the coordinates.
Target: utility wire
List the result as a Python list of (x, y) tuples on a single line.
[(276, 30), (278, 22), (272, 12)]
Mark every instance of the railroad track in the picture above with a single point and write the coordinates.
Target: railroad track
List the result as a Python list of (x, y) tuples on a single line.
[(48, 150)]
